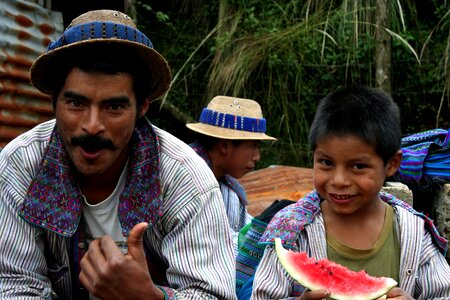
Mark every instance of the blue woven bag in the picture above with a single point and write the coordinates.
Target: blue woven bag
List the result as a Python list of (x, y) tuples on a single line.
[(426, 155)]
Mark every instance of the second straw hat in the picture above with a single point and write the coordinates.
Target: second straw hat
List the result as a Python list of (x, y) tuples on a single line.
[(232, 118)]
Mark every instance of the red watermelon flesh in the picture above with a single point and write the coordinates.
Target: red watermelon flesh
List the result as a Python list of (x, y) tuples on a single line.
[(344, 284)]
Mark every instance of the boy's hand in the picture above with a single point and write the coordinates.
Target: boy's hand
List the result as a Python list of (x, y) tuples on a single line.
[(108, 274), (314, 295), (398, 294), (395, 293)]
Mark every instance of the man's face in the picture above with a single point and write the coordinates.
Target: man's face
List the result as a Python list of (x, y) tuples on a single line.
[(96, 115)]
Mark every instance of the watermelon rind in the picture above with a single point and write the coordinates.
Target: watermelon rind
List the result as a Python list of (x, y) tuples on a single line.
[(285, 256)]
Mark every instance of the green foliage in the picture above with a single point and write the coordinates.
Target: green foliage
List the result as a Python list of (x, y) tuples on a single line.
[(287, 55), (289, 69)]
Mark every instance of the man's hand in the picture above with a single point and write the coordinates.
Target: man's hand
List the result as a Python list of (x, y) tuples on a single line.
[(108, 274)]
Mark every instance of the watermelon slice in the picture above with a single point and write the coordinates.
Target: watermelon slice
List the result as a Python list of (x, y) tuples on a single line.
[(344, 284)]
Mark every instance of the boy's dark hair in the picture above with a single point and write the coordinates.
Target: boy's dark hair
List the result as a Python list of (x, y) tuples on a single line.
[(103, 59), (367, 113)]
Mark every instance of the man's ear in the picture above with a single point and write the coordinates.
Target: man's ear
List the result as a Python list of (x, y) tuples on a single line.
[(394, 163), (143, 108)]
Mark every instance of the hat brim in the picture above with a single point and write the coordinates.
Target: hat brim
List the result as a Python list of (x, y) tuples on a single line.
[(44, 71), (226, 133)]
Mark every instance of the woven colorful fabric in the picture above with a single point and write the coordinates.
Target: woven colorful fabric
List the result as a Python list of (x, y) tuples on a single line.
[(289, 222), (426, 154), (250, 253), (53, 200)]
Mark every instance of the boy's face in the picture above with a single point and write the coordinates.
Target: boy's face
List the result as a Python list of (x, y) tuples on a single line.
[(96, 115), (348, 173), (241, 159)]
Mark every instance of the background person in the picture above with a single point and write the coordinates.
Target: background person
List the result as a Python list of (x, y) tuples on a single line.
[(229, 131)]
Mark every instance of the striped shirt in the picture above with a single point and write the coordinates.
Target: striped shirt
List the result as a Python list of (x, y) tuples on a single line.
[(191, 237), (234, 197), (236, 210), (424, 272)]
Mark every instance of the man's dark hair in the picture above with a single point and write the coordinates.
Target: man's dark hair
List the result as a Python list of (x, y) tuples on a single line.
[(107, 59), (367, 113)]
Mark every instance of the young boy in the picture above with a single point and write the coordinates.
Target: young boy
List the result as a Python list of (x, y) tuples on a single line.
[(355, 138), (228, 134)]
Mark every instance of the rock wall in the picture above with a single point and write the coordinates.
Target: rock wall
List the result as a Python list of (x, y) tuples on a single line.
[(441, 209), (400, 191)]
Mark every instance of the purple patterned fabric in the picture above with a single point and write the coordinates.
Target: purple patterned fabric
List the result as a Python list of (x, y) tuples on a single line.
[(168, 292), (426, 154), (290, 221), (53, 200)]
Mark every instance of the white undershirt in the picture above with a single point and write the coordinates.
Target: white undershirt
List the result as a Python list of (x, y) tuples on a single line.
[(103, 219)]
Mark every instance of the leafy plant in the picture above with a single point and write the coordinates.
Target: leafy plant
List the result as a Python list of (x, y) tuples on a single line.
[(287, 55)]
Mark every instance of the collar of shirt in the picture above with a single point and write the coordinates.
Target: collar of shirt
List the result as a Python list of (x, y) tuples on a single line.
[(289, 222), (53, 200)]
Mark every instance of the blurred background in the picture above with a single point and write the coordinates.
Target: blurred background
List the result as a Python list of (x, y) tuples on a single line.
[(286, 55)]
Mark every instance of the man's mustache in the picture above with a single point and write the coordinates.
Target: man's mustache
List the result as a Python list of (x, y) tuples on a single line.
[(92, 142)]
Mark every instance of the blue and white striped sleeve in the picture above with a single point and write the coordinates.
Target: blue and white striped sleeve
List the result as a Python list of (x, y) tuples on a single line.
[(23, 269), (193, 235), (433, 279)]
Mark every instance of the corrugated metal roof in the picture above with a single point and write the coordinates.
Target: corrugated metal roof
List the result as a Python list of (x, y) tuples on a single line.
[(25, 31), (275, 183)]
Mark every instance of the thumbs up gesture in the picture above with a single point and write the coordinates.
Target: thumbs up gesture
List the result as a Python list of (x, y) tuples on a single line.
[(108, 274)]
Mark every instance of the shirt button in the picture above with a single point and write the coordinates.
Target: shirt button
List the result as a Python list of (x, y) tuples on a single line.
[(409, 272), (81, 245)]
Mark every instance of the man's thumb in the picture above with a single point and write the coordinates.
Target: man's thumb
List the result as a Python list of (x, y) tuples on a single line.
[(136, 240)]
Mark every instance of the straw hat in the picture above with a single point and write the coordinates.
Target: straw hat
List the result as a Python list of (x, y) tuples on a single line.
[(232, 118), (100, 28)]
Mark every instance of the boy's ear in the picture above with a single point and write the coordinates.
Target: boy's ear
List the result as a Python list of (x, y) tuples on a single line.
[(394, 163), (222, 145)]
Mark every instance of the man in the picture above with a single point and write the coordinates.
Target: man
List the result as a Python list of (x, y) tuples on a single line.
[(229, 130), (99, 203)]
